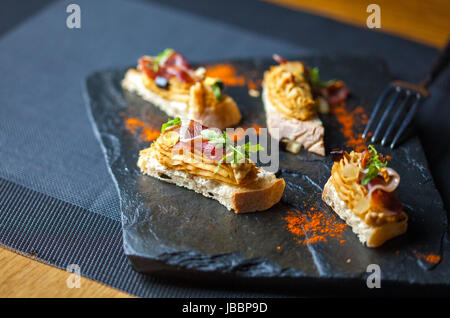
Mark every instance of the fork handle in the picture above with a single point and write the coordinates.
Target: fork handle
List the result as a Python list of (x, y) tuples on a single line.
[(438, 66)]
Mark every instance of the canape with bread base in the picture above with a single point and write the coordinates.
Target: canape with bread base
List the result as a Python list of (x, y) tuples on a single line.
[(170, 83), (293, 95), (362, 191), (207, 161)]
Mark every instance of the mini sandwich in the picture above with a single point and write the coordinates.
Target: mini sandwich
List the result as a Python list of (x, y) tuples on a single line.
[(170, 83), (361, 190), (292, 94), (207, 161)]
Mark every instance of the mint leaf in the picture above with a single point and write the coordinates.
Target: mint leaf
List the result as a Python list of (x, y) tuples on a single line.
[(314, 79), (375, 164), (238, 153), (217, 90), (375, 159), (233, 153), (164, 54), (214, 137), (171, 122), (211, 134), (250, 148), (220, 162), (314, 75), (160, 58), (372, 173), (372, 149)]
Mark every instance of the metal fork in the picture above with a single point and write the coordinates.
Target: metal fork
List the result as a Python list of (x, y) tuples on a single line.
[(404, 95)]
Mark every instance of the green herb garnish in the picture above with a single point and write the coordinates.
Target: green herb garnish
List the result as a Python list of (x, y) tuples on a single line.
[(375, 164), (161, 57), (217, 89), (214, 137), (171, 122), (314, 79), (233, 153)]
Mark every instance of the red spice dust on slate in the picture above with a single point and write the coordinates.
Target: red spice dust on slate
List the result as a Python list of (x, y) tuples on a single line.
[(430, 258), (230, 76), (312, 225), (352, 124), (140, 129)]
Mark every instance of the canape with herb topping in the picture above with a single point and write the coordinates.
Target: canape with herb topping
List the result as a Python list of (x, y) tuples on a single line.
[(207, 161), (361, 190), (293, 95), (169, 82)]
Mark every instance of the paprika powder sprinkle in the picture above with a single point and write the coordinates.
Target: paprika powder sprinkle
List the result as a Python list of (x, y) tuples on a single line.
[(313, 226), (430, 258), (227, 73), (352, 122), (138, 128)]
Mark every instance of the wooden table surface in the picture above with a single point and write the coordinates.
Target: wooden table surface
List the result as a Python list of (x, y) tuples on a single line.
[(422, 21)]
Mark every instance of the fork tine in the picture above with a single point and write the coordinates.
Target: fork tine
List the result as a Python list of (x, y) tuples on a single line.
[(386, 113), (407, 120), (380, 101), (395, 118)]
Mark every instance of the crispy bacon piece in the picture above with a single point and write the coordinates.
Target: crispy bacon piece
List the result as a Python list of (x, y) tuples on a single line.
[(190, 139), (383, 197), (181, 74), (379, 182), (386, 202), (336, 155), (211, 152), (176, 59), (279, 59), (146, 65), (174, 66), (334, 93), (365, 157), (191, 130)]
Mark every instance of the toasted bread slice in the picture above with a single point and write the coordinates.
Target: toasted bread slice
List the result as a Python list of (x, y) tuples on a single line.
[(372, 236), (262, 194), (225, 115), (307, 133)]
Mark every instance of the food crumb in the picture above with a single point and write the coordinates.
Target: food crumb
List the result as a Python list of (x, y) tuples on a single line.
[(253, 92), (342, 241), (278, 247), (322, 105), (349, 260)]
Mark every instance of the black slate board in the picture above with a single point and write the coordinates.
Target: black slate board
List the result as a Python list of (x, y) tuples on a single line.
[(177, 233)]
